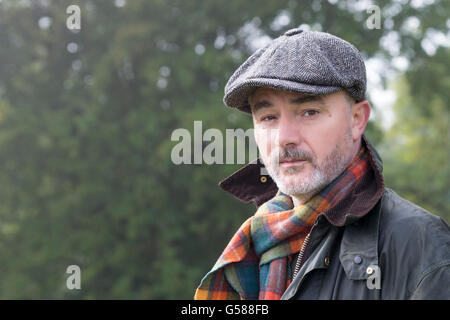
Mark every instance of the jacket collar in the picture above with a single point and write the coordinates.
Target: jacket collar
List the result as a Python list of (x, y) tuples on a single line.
[(248, 185)]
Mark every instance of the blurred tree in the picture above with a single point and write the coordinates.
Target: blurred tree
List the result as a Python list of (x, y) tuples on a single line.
[(86, 119), (417, 148)]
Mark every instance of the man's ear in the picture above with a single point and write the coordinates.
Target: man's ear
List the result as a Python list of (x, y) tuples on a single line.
[(360, 116)]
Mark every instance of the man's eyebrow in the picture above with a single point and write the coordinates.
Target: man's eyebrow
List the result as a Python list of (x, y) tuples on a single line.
[(308, 98)]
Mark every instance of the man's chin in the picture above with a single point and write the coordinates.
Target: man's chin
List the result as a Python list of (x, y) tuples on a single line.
[(291, 181), (298, 183), (294, 174)]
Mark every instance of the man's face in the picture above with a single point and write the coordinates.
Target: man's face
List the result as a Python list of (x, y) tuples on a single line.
[(305, 141)]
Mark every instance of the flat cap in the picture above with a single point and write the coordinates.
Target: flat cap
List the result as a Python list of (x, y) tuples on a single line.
[(308, 62)]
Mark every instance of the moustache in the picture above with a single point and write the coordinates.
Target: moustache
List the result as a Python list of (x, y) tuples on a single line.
[(292, 154)]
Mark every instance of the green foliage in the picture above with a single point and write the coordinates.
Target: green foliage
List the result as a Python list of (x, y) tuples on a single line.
[(417, 150), (85, 136)]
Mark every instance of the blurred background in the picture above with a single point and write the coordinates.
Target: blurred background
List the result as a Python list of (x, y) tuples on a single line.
[(86, 118)]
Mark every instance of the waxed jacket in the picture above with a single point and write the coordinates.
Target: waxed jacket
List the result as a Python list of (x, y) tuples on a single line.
[(372, 245)]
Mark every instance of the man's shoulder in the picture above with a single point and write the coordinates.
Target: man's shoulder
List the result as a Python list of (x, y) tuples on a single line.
[(398, 212), (412, 241), (411, 231), (409, 228), (402, 218)]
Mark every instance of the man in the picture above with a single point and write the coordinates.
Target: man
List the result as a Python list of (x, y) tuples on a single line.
[(326, 227)]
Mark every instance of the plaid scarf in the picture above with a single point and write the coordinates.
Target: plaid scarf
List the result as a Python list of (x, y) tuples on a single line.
[(256, 262)]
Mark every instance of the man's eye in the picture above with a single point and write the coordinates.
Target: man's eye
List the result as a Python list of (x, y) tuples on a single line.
[(310, 113), (268, 118)]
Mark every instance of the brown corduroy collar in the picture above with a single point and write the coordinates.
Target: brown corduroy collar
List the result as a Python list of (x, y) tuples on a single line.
[(248, 185)]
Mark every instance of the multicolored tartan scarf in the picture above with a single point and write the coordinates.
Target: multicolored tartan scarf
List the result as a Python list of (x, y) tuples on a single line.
[(256, 262)]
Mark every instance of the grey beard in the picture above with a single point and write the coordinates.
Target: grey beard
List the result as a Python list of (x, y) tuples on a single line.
[(333, 165)]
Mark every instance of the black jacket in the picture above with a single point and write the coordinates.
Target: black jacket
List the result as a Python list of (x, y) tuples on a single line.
[(374, 245)]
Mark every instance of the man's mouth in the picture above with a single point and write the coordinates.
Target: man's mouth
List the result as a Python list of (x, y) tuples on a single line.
[(291, 162)]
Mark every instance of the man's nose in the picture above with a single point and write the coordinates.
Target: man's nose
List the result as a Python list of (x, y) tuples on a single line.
[(288, 132)]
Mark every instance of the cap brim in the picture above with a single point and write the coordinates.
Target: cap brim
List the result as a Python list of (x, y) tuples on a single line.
[(237, 97)]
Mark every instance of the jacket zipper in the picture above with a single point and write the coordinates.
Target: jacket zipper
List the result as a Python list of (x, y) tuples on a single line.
[(302, 251), (300, 255)]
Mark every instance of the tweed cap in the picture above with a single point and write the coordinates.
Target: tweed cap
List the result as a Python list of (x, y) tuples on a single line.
[(308, 62)]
